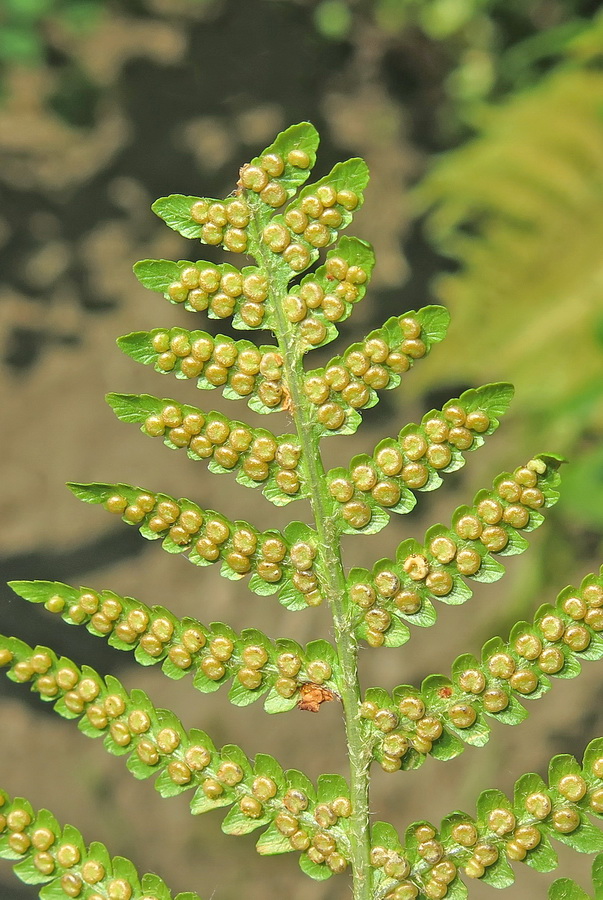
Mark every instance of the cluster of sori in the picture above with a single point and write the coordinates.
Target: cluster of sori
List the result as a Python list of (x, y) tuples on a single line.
[(239, 367), (212, 654), (257, 455), (312, 219), (42, 851), (411, 723), (222, 290), (430, 863), (412, 461), (275, 561), (265, 184), (222, 222), (350, 382), (300, 816), (403, 589), (327, 295), (298, 826), (269, 175)]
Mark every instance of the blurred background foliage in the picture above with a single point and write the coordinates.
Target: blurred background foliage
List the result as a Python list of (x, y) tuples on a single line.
[(482, 124)]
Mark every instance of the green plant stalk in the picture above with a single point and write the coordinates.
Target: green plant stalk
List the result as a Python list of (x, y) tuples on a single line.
[(329, 551)]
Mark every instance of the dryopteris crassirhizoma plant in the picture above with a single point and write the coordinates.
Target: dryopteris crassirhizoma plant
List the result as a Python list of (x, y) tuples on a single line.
[(328, 824)]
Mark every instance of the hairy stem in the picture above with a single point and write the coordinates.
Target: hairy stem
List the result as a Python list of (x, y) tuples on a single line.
[(333, 585)]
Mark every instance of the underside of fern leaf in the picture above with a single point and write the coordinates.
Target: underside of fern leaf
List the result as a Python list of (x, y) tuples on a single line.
[(44, 853), (304, 279)]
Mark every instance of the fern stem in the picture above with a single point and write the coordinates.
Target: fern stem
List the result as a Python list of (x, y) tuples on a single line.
[(347, 650), (333, 583)]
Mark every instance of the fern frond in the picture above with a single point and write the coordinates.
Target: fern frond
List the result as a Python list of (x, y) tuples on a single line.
[(222, 290), (284, 230), (276, 562), (402, 590), (413, 461), (520, 208), (213, 654), (259, 457), (502, 831), (327, 295), (350, 382), (242, 369), (330, 293), (437, 718), (300, 816), (44, 852)]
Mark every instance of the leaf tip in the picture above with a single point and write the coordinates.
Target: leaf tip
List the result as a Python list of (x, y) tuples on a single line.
[(499, 395), (551, 460), (90, 493), (506, 389), (158, 205)]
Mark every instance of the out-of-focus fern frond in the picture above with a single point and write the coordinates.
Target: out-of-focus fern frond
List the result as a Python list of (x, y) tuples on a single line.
[(520, 208)]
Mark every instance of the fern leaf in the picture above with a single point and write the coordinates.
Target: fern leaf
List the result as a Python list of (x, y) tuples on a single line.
[(329, 294), (313, 218), (240, 368), (503, 831), (400, 591), (413, 461), (276, 562), (350, 382), (285, 230), (267, 181), (43, 852), (259, 793), (213, 654), (223, 290), (447, 712), (258, 456)]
